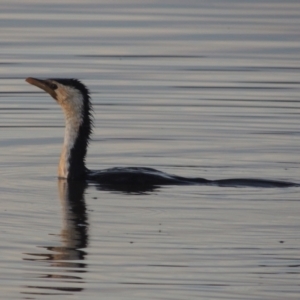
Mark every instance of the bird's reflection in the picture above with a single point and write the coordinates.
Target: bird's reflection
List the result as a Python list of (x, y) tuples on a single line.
[(67, 260), (65, 263)]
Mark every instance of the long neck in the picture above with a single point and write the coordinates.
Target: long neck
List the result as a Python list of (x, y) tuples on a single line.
[(77, 134)]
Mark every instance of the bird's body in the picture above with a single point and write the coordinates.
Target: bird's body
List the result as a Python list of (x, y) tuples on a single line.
[(75, 101)]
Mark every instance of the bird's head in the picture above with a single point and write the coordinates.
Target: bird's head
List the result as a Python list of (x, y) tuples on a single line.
[(71, 94)]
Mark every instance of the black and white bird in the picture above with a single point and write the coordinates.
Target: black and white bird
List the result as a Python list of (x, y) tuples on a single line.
[(75, 101)]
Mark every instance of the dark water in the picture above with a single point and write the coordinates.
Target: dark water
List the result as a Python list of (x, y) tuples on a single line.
[(194, 88)]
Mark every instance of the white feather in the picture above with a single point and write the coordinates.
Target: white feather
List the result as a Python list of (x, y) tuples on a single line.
[(71, 102)]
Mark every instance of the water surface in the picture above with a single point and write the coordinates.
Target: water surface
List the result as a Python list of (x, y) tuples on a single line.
[(189, 88)]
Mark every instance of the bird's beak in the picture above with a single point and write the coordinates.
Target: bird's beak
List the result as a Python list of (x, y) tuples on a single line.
[(44, 85)]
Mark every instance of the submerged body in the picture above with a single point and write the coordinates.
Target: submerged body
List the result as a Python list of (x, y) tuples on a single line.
[(143, 177), (74, 99)]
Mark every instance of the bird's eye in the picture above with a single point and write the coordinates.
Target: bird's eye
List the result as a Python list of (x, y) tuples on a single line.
[(52, 86)]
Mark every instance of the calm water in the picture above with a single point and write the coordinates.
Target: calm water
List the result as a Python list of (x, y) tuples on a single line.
[(194, 88)]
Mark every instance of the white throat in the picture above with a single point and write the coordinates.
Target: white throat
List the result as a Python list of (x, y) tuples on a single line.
[(72, 108)]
